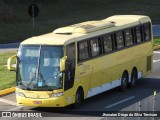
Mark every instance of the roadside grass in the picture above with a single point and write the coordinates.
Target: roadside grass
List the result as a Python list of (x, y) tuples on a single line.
[(7, 78), (156, 41), (58, 13)]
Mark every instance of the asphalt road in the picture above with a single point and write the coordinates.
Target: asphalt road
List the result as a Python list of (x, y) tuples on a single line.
[(112, 100), (156, 30), (9, 47)]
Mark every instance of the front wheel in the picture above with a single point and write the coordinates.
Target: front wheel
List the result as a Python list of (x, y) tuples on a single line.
[(78, 98)]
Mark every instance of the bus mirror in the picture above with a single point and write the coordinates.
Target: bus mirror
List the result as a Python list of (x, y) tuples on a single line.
[(62, 63), (10, 64)]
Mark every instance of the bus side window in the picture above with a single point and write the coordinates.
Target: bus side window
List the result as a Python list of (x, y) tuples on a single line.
[(107, 42), (83, 52), (138, 34), (70, 66), (95, 47), (120, 40), (128, 37), (147, 32)]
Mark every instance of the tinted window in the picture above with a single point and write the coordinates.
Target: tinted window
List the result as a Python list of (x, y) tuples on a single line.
[(147, 32), (138, 34), (95, 47), (83, 50), (107, 41), (128, 37), (70, 66), (119, 38)]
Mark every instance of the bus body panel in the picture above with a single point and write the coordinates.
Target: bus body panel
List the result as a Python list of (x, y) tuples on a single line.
[(96, 74)]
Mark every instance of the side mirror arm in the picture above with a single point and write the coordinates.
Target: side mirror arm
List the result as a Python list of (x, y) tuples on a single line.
[(9, 63)]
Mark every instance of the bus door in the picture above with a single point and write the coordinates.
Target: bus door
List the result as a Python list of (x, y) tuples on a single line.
[(97, 73), (83, 68)]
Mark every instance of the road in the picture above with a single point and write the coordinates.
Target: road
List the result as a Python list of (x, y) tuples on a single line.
[(112, 100), (9, 47), (156, 30)]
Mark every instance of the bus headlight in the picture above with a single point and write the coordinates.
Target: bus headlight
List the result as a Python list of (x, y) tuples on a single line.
[(20, 94), (57, 94)]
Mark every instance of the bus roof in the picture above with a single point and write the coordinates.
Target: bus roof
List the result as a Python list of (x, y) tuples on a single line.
[(87, 29)]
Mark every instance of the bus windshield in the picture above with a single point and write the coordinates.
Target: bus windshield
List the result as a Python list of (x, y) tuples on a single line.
[(38, 68)]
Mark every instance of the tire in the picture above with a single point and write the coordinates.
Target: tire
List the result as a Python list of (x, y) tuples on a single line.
[(78, 98), (124, 81), (133, 79)]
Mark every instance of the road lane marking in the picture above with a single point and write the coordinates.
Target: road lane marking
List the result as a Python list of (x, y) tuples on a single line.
[(15, 109), (112, 105), (8, 102), (154, 61), (156, 51), (11, 103)]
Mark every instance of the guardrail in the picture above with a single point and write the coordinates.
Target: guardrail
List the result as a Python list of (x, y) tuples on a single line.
[(156, 47), (145, 109)]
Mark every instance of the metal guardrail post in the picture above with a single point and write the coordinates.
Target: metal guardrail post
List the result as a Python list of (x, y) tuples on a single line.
[(155, 93), (139, 108)]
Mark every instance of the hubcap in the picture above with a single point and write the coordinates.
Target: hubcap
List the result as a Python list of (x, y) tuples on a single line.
[(78, 98), (124, 81), (133, 80)]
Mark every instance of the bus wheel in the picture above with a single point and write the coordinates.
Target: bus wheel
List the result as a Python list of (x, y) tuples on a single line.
[(133, 79), (124, 81), (78, 98)]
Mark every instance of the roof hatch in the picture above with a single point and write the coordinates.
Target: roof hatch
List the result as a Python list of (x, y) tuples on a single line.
[(85, 27)]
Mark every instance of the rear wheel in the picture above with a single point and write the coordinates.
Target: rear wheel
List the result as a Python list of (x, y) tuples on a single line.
[(124, 81), (133, 79)]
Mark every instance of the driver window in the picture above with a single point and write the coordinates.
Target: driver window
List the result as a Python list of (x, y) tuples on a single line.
[(70, 66)]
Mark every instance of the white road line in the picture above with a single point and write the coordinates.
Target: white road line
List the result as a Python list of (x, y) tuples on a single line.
[(154, 61), (11, 103), (15, 109), (120, 102), (156, 51), (8, 102)]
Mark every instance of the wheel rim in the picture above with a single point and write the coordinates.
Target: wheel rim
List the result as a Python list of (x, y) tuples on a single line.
[(78, 98), (133, 80), (124, 81)]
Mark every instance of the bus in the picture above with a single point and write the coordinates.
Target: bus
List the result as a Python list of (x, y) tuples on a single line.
[(79, 61)]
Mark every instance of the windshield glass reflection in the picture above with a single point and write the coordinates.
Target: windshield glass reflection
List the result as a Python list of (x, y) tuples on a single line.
[(38, 67)]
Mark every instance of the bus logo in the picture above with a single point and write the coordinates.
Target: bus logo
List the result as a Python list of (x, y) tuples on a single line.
[(37, 102)]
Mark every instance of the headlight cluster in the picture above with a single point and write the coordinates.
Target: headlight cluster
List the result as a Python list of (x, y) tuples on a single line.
[(20, 94), (57, 94)]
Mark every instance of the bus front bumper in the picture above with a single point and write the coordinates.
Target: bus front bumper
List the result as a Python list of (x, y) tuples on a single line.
[(48, 102)]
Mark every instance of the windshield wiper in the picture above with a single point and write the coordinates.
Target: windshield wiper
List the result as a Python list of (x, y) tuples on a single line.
[(24, 87), (51, 88)]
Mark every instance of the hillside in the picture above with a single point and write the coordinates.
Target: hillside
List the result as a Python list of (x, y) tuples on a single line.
[(16, 24)]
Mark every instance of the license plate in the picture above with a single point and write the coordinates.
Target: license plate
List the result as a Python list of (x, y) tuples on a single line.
[(37, 102)]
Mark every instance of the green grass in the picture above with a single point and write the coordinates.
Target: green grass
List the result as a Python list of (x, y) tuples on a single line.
[(59, 13), (7, 78), (156, 41)]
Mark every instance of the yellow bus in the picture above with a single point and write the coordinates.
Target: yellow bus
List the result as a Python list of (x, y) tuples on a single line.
[(79, 61)]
